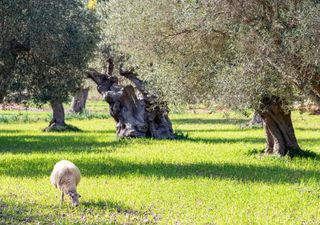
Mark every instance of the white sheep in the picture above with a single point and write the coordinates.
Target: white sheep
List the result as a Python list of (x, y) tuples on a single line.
[(66, 176)]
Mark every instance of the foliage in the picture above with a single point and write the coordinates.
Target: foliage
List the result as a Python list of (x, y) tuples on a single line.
[(235, 51), (273, 52), (207, 178), (61, 36), (168, 42)]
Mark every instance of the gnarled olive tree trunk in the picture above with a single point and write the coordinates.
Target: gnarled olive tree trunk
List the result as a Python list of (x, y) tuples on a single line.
[(278, 128), (137, 113), (79, 101)]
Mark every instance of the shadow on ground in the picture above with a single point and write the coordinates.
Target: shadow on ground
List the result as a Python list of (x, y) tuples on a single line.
[(111, 206), (209, 121), (252, 140), (18, 214), (114, 167), (43, 143), (26, 213)]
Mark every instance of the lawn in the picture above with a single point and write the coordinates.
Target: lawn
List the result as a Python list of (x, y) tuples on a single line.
[(215, 176)]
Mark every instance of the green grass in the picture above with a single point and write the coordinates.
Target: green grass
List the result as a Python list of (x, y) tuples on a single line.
[(28, 116), (212, 177)]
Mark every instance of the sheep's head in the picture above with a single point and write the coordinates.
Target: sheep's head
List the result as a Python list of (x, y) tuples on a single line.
[(74, 197)]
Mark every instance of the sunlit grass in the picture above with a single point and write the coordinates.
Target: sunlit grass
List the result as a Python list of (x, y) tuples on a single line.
[(210, 178)]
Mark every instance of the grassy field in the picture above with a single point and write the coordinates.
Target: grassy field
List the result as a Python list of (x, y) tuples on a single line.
[(214, 176)]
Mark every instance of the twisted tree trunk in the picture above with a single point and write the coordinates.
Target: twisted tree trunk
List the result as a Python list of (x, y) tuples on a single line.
[(278, 128), (136, 112), (79, 100)]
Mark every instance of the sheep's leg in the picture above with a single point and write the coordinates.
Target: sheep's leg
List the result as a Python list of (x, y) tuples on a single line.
[(61, 201)]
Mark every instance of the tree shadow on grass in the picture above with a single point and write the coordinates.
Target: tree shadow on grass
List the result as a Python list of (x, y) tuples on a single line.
[(111, 206), (115, 167), (214, 140), (300, 153), (26, 213), (307, 129), (218, 130), (10, 131), (120, 208), (248, 140), (56, 143), (19, 214), (209, 121)]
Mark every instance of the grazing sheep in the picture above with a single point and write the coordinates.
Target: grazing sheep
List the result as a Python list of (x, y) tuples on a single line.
[(66, 176)]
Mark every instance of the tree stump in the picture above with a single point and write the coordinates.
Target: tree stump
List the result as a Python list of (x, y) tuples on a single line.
[(136, 112)]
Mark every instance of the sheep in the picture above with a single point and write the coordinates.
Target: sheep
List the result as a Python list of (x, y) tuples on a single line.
[(66, 176)]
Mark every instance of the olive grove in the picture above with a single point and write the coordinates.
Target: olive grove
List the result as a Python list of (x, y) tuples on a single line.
[(260, 55), (243, 54)]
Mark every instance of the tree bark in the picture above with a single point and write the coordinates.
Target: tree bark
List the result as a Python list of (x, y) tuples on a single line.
[(79, 100), (278, 128), (58, 117), (256, 120), (58, 113), (136, 112)]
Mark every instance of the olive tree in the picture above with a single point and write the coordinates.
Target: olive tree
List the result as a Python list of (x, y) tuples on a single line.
[(260, 55), (272, 63), (59, 37)]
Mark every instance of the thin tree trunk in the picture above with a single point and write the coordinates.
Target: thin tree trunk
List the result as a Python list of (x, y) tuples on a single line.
[(279, 129), (79, 100), (58, 117)]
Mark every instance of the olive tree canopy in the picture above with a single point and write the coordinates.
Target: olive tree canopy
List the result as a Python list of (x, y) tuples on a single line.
[(59, 37)]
